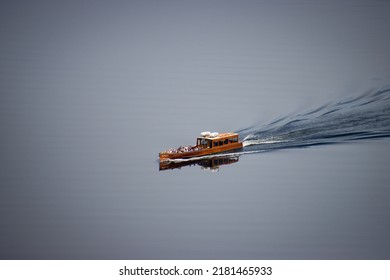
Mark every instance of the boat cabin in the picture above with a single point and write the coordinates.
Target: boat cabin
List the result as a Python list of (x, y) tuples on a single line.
[(213, 140)]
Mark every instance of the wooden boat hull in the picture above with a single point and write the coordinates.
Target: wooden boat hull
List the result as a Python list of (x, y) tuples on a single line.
[(201, 152)]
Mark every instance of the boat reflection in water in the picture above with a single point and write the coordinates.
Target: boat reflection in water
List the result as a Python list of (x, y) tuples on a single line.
[(212, 164)]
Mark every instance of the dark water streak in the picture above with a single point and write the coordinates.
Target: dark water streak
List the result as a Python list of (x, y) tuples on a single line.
[(363, 117)]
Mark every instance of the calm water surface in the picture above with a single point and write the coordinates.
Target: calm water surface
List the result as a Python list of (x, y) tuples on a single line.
[(90, 95)]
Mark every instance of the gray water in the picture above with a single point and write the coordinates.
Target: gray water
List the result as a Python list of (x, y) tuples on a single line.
[(90, 92)]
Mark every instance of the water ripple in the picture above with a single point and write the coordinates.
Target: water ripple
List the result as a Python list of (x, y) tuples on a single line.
[(361, 117)]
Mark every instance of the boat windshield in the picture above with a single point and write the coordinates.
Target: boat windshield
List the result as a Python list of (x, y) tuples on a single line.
[(203, 142)]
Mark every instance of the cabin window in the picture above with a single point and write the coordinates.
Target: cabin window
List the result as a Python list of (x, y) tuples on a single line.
[(220, 143), (226, 141), (215, 144), (235, 139)]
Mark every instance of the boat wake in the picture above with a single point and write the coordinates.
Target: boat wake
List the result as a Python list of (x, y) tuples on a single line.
[(363, 117)]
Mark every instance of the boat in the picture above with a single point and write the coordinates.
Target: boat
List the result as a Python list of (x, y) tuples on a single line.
[(207, 144)]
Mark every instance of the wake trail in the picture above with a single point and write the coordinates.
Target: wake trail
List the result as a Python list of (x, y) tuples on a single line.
[(362, 117)]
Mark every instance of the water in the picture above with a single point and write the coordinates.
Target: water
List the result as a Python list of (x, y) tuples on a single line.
[(363, 117), (91, 94)]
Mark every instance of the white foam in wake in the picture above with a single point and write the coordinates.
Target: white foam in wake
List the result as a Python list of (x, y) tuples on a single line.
[(260, 141)]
